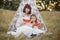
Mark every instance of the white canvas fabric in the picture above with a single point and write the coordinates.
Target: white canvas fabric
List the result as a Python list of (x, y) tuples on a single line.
[(19, 14)]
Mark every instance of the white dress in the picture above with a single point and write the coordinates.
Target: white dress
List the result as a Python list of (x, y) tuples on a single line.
[(37, 31), (26, 28)]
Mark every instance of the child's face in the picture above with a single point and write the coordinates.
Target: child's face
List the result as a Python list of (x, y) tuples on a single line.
[(33, 18)]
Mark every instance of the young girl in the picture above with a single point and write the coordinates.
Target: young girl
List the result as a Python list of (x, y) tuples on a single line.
[(36, 25), (22, 23), (35, 22)]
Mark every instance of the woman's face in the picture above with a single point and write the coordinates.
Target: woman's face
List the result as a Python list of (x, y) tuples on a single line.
[(27, 10), (33, 18)]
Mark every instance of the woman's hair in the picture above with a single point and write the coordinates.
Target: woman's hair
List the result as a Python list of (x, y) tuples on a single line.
[(35, 17), (27, 6)]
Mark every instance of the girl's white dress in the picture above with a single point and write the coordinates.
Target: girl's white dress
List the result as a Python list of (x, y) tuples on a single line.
[(26, 28), (37, 31)]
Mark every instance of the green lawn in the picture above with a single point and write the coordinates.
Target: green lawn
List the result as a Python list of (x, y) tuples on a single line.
[(51, 19)]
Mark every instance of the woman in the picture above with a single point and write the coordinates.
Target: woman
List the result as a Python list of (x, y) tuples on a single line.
[(23, 27)]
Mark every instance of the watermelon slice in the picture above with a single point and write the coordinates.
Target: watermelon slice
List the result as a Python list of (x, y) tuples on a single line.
[(36, 24), (26, 20)]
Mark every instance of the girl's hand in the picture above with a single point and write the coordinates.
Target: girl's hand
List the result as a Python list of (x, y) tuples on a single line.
[(39, 26), (30, 20)]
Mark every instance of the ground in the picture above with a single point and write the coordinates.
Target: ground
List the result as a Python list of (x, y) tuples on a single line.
[(51, 19)]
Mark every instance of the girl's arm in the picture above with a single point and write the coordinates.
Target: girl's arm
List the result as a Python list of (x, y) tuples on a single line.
[(39, 26)]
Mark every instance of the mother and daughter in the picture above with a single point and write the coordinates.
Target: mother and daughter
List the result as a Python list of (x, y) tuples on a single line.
[(27, 24)]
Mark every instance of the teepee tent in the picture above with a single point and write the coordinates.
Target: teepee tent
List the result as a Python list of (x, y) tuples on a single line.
[(19, 13)]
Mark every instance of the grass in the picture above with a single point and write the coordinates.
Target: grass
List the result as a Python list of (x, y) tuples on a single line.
[(51, 19)]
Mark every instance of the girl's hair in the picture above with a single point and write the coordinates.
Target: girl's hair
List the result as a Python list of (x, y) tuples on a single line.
[(27, 6), (35, 17)]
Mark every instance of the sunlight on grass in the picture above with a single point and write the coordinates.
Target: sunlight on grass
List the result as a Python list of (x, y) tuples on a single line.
[(51, 19)]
